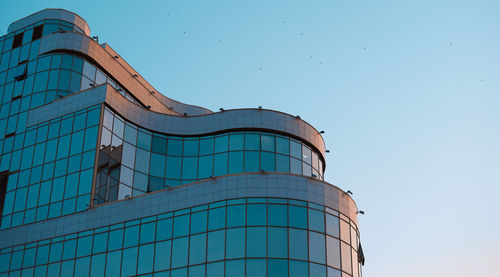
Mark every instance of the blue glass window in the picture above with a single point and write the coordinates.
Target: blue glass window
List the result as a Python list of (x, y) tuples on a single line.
[(174, 147), (162, 255), (216, 245), (217, 218), (235, 244), (191, 147), (277, 242), (256, 242), (316, 220), (298, 244), (147, 232), (251, 161), (236, 215), (164, 229), (317, 247), (278, 268), (145, 264), (113, 263), (205, 167), (197, 249), (277, 215), (221, 143), (131, 236), (181, 225), (207, 146), (100, 242), (179, 252), (220, 164), (235, 162), (199, 222), (256, 214), (235, 268), (129, 261)]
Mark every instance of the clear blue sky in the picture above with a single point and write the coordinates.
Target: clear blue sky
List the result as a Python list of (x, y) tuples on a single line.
[(407, 91)]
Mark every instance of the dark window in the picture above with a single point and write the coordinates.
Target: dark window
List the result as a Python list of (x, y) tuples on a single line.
[(18, 40), (4, 176), (22, 72), (37, 32)]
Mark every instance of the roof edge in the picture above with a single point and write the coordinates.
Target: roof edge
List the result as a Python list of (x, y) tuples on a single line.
[(58, 14)]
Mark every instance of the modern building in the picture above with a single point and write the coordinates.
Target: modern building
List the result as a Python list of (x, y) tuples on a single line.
[(102, 175)]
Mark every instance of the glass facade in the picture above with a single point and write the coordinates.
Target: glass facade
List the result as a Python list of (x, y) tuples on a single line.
[(237, 237), (134, 161), (91, 156)]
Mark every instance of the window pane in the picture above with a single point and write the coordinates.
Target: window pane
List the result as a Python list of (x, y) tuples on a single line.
[(317, 247), (191, 147), (205, 167), (344, 231), (180, 252), (346, 257), (277, 242), (295, 166), (197, 249), (278, 268), (220, 164), (256, 267), (217, 218), (181, 225), (235, 268), (216, 245), (221, 144), (236, 142), (236, 216), (235, 162), (252, 142), (277, 215), (298, 269), (207, 146), (267, 143), (332, 225), (298, 244), (316, 220), (296, 149), (256, 214), (145, 264), (131, 236), (251, 161), (199, 222), (157, 165), (256, 242), (162, 255), (235, 247), (333, 249), (100, 242), (159, 145), (129, 261), (297, 217), (174, 147), (267, 161), (164, 229), (282, 163), (282, 145), (147, 232), (173, 167), (189, 167)]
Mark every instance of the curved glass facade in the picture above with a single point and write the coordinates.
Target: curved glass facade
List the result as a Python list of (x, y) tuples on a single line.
[(65, 162), (239, 237), (133, 161)]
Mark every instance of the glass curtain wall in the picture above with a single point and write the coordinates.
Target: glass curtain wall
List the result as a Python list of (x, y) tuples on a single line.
[(240, 237), (133, 161)]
